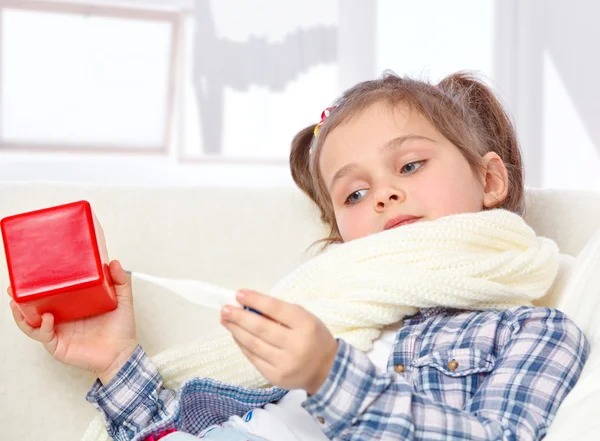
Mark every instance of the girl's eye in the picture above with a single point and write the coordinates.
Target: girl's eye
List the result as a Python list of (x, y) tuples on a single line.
[(355, 197), (412, 167)]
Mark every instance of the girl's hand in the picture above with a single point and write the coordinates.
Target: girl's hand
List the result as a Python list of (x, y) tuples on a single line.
[(100, 344), (291, 347)]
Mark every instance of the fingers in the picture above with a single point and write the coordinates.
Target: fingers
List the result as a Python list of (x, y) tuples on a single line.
[(122, 282), (20, 319), (9, 291), (287, 314), (254, 348), (46, 333), (259, 326), (118, 274), (264, 367)]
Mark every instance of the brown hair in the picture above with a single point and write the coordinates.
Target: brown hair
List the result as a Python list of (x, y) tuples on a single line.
[(462, 108)]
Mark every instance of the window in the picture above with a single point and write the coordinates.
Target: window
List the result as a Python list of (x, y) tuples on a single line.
[(79, 78), (193, 80)]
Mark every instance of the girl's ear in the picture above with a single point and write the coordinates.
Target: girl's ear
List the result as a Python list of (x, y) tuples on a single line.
[(495, 180)]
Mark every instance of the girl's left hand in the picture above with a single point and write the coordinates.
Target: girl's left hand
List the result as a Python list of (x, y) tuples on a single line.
[(291, 347)]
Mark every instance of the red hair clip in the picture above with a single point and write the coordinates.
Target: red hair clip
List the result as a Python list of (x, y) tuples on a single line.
[(324, 115)]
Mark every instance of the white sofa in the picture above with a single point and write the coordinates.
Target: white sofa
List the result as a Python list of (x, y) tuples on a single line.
[(233, 237)]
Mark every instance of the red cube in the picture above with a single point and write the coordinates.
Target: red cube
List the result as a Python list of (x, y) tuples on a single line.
[(58, 263)]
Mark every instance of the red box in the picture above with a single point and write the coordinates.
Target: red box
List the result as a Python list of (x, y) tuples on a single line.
[(58, 262)]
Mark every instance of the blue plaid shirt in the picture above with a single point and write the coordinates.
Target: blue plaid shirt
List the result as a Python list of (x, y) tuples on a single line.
[(452, 375)]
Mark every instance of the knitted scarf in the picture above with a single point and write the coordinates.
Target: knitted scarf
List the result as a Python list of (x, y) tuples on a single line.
[(476, 261)]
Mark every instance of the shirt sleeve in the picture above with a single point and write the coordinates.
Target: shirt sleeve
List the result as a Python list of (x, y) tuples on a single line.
[(134, 399), (540, 363), (135, 403)]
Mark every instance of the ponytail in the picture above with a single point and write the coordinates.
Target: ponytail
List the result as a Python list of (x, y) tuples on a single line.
[(300, 161)]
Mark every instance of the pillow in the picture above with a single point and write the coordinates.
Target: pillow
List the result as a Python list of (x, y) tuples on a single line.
[(565, 267), (579, 298)]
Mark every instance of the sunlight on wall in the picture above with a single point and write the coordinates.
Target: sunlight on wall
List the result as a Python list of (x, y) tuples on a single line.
[(569, 159)]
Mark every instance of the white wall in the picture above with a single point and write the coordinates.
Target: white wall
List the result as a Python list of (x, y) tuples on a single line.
[(570, 99), (433, 38), (554, 89)]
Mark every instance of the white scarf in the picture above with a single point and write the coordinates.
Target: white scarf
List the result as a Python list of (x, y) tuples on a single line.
[(486, 260)]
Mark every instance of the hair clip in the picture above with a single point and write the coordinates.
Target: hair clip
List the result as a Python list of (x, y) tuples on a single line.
[(324, 116)]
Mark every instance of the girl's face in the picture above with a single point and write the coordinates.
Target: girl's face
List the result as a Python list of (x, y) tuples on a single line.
[(386, 168)]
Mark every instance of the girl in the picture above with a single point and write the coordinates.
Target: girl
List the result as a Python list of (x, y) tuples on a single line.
[(422, 184)]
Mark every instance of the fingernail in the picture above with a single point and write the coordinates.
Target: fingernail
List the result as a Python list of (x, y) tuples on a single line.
[(241, 295), (226, 311)]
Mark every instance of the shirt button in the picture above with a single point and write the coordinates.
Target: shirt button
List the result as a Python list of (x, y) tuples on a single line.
[(321, 420), (399, 368), (453, 365)]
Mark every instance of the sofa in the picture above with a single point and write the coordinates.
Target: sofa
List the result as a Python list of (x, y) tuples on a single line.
[(232, 237)]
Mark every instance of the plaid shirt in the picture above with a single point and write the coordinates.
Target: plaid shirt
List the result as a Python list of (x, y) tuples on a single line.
[(452, 375)]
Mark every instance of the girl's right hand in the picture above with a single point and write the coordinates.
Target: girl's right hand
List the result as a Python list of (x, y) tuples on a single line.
[(100, 344)]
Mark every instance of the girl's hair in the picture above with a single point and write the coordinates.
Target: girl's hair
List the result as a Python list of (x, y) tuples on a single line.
[(461, 107)]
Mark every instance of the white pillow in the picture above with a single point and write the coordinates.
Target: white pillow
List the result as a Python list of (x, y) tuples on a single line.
[(566, 263), (577, 418)]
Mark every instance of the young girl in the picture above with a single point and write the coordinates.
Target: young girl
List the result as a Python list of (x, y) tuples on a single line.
[(436, 171)]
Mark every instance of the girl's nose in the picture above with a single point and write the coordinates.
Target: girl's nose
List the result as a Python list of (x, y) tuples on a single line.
[(388, 196)]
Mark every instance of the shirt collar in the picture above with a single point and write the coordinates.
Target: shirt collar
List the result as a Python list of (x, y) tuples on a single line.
[(430, 312)]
